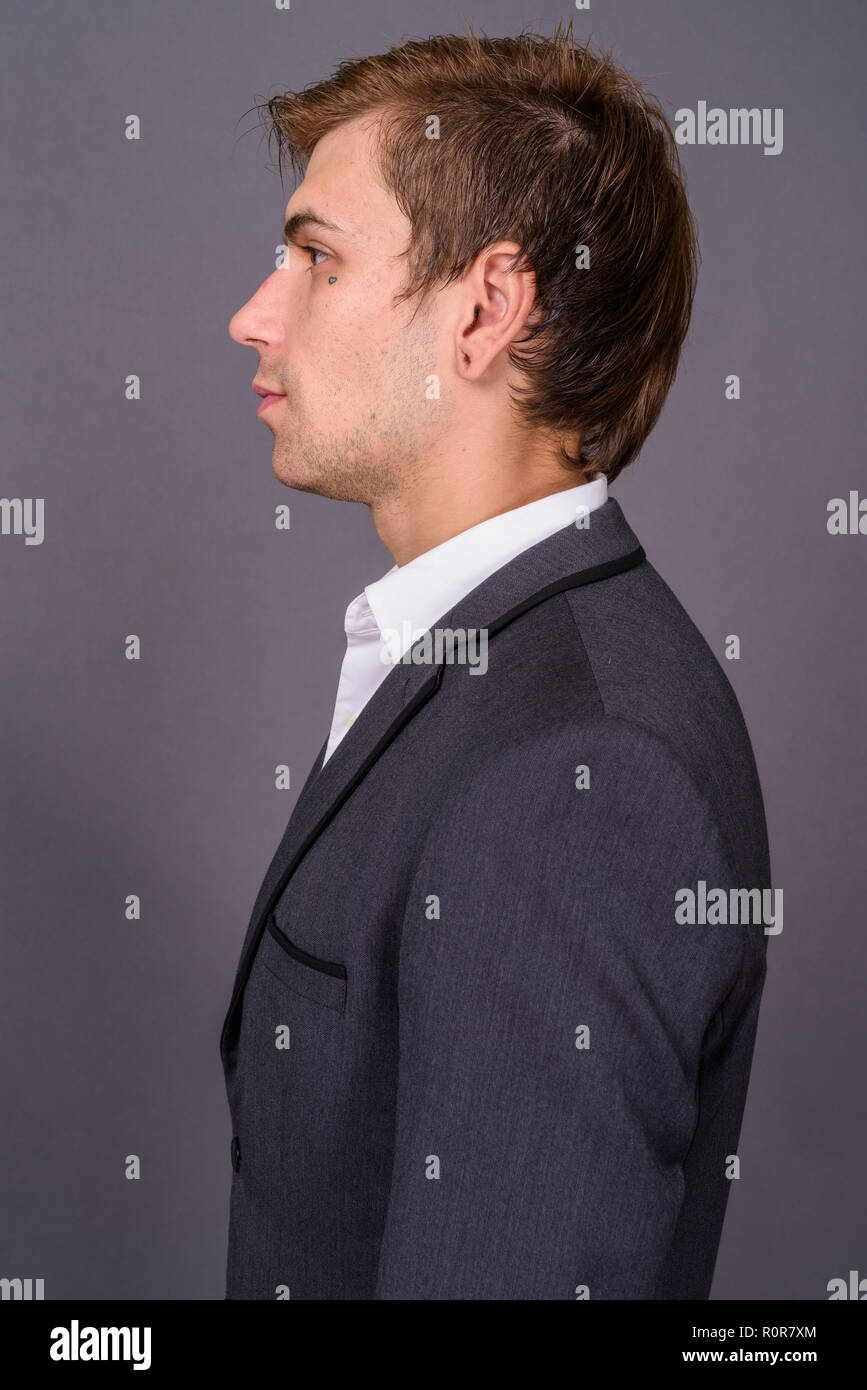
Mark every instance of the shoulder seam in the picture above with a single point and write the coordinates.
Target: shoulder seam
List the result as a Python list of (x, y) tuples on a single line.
[(618, 719)]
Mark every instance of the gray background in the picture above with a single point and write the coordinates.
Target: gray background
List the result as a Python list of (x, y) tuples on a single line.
[(157, 777)]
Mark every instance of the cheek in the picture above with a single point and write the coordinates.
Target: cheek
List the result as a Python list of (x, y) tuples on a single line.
[(345, 336)]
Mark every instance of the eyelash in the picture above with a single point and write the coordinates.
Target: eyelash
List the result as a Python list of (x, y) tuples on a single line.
[(313, 251)]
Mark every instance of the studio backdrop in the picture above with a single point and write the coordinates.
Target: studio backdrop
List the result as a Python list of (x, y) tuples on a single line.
[(172, 616)]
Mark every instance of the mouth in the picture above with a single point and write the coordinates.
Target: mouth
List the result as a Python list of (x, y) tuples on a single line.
[(269, 397)]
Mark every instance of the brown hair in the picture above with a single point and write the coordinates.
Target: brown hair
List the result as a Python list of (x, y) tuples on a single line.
[(544, 143)]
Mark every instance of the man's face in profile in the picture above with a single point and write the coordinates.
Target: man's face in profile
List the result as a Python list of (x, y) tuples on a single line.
[(353, 416)]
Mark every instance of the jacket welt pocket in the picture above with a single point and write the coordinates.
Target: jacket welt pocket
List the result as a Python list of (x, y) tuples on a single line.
[(323, 981)]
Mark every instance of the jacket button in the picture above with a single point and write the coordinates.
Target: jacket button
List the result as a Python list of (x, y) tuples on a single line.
[(236, 1153)]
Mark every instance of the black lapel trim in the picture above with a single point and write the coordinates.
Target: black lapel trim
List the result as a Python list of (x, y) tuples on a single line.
[(421, 697)]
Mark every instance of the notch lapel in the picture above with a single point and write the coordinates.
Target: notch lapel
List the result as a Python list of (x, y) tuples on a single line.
[(567, 559), (392, 704)]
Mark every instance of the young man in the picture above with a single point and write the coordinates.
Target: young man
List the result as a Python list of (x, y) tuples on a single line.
[(475, 1048)]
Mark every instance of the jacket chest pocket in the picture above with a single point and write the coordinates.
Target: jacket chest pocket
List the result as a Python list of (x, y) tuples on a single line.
[(323, 981)]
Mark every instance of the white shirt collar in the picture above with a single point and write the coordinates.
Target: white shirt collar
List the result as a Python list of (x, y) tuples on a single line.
[(409, 598)]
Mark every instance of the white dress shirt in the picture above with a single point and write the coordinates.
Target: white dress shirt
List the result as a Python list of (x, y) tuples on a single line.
[(388, 615)]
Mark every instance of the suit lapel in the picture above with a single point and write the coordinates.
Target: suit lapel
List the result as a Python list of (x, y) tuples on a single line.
[(567, 559)]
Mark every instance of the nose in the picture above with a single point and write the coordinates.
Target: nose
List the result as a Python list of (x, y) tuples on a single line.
[(259, 323)]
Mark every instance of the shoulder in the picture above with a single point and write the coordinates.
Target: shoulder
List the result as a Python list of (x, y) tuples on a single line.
[(653, 667), (596, 778)]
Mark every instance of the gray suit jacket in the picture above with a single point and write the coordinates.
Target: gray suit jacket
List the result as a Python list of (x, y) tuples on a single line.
[(471, 1053)]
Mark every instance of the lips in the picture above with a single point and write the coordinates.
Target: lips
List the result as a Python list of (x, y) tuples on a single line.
[(269, 397)]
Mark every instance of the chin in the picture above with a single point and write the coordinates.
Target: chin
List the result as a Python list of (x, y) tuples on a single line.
[(324, 476), (292, 475)]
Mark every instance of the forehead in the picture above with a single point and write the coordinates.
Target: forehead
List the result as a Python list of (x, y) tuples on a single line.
[(342, 183)]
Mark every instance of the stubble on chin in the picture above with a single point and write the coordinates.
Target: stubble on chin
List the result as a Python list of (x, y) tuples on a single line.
[(377, 459), (373, 462), (341, 468)]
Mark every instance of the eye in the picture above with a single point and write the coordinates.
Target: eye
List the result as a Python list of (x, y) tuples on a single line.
[(312, 252)]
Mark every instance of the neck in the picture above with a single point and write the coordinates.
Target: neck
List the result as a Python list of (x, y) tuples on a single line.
[(444, 499)]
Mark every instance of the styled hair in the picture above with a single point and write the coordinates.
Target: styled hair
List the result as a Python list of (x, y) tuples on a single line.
[(544, 143)]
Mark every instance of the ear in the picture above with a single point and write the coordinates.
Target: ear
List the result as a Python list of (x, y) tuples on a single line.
[(494, 306)]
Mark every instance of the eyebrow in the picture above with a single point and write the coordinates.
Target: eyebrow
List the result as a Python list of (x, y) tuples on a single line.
[(306, 217)]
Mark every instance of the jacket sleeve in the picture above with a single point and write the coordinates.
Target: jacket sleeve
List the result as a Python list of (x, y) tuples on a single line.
[(555, 1025)]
